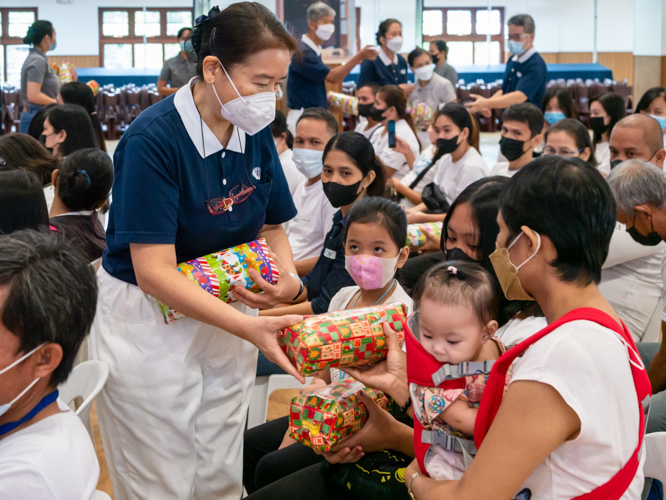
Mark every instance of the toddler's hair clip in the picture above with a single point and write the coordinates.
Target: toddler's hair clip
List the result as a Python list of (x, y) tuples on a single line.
[(461, 275)]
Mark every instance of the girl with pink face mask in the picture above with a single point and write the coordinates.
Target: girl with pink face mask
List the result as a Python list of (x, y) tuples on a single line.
[(374, 239)]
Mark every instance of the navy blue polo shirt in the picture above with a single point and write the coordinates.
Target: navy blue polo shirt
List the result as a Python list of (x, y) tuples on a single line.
[(527, 75), (329, 275), (305, 83), (383, 71), (160, 188)]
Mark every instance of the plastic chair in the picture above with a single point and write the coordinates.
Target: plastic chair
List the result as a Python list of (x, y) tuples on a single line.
[(263, 387), (655, 461), (83, 385)]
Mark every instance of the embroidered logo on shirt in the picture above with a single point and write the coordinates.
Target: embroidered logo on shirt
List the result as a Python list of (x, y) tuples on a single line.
[(403, 71), (330, 254), (256, 173)]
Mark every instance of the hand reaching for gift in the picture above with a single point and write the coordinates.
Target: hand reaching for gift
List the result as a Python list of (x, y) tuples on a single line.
[(283, 291), (433, 242)]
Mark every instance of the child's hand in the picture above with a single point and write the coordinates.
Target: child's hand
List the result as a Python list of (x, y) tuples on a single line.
[(460, 416), (432, 244), (317, 383)]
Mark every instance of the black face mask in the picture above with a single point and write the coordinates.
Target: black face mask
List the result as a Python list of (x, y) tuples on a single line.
[(340, 195), (42, 139), (597, 125), (615, 163), (650, 240), (457, 254), (512, 149), (446, 146), (365, 110), (376, 114)]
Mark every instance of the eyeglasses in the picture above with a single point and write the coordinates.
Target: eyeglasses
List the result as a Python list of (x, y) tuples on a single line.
[(237, 194), (549, 150), (515, 38)]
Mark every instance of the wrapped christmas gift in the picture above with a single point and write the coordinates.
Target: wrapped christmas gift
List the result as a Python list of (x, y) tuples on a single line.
[(219, 272), (65, 72), (325, 417), (94, 86), (416, 236), (421, 112), (348, 104), (342, 338)]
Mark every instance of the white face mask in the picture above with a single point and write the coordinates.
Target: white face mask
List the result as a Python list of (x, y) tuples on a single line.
[(4, 408), (309, 162), (251, 113), (325, 31), (424, 73), (394, 44)]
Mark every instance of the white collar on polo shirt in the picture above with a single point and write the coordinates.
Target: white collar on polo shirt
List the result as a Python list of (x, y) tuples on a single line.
[(384, 58), (317, 48), (525, 55), (184, 103)]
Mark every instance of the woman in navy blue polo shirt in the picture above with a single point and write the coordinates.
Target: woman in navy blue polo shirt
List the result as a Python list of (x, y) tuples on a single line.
[(389, 68), (194, 174)]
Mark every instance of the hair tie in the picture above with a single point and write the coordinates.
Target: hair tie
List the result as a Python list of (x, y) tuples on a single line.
[(93, 113), (461, 275), (199, 27), (87, 177)]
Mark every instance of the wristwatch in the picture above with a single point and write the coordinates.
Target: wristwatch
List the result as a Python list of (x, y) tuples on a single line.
[(300, 290), (410, 482)]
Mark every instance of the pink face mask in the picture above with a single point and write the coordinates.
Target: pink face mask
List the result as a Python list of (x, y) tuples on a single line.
[(370, 272)]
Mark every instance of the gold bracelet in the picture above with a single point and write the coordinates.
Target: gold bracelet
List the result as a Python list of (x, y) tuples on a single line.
[(410, 482)]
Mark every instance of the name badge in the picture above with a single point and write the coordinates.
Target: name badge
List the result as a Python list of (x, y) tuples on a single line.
[(330, 254), (256, 173)]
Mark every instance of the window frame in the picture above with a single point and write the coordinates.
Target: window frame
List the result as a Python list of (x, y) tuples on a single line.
[(131, 38), (473, 36), (5, 39)]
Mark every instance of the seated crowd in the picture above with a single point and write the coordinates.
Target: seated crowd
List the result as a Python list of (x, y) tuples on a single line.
[(567, 221)]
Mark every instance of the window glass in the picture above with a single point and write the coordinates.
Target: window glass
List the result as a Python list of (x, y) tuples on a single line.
[(16, 54), (1, 25), (433, 22), (2, 63), (459, 22), (148, 56), (176, 20), (117, 55), (481, 53), (147, 23), (171, 50), (460, 53), (115, 23), (486, 24), (426, 46), (19, 22)]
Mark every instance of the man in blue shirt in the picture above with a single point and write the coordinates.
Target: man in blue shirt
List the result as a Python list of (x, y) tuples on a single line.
[(525, 74), (306, 83)]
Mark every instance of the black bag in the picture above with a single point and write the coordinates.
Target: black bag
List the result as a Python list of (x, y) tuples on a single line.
[(434, 199), (397, 196), (376, 475)]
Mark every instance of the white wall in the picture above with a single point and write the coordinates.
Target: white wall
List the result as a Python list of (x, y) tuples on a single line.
[(562, 25)]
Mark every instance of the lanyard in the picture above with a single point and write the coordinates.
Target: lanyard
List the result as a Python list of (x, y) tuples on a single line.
[(46, 400), (380, 298)]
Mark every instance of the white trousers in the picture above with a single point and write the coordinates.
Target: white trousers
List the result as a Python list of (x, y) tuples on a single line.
[(173, 411), (292, 119)]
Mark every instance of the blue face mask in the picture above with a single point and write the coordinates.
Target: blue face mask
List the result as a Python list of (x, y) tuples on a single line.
[(516, 48), (661, 120), (186, 46), (53, 45), (553, 116)]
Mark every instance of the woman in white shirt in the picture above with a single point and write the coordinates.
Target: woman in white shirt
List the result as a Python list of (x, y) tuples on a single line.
[(284, 143), (605, 112), (391, 104), (458, 140), (570, 419)]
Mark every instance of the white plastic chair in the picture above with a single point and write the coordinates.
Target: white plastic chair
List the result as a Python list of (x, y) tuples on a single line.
[(655, 460), (83, 385), (263, 387), (100, 495), (653, 330)]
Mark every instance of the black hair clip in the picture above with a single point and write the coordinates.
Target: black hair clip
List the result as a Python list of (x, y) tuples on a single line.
[(199, 28), (461, 275)]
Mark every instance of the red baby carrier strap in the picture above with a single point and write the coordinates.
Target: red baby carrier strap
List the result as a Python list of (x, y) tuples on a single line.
[(492, 396)]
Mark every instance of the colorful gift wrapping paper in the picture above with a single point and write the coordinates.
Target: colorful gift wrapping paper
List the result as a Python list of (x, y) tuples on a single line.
[(417, 238), (218, 272), (325, 417), (342, 338), (94, 86), (65, 72), (346, 103), (421, 112)]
